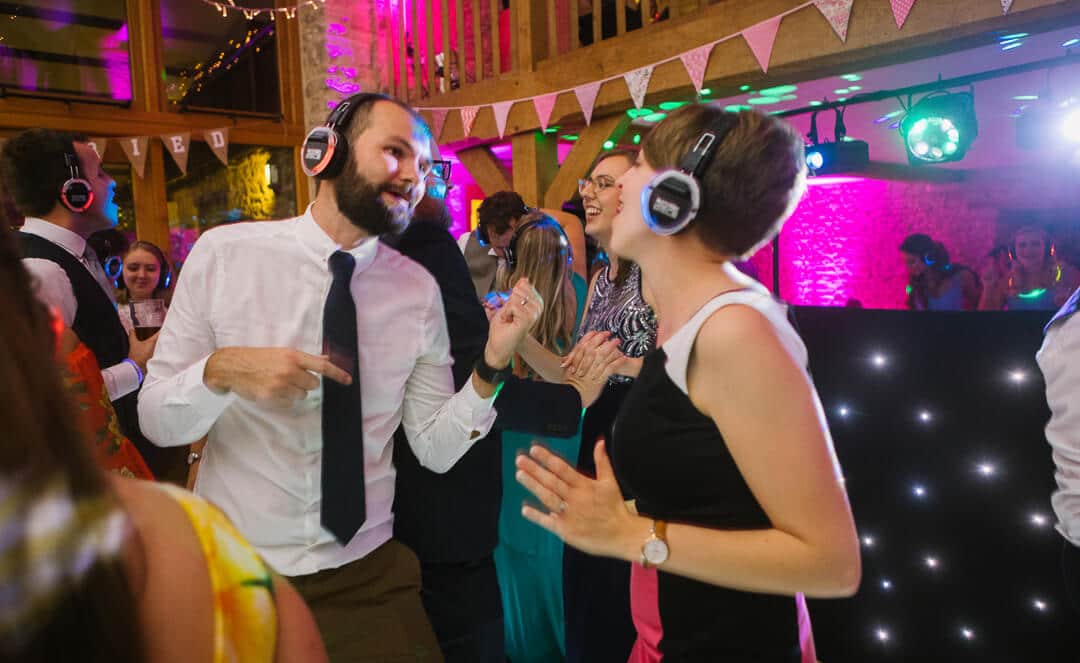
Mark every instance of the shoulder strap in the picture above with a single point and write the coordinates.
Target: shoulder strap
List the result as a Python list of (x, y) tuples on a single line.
[(678, 348)]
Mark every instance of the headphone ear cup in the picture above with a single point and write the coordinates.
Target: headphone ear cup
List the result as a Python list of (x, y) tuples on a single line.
[(322, 153), (670, 202), (77, 195)]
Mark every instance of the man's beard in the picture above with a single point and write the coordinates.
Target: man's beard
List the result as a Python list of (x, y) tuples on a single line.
[(361, 203)]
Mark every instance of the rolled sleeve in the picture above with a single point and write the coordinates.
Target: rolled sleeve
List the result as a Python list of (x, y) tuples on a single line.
[(175, 405), (441, 425)]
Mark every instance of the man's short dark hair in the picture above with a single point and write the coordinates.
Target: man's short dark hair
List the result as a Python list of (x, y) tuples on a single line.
[(499, 209), (361, 116), (33, 168)]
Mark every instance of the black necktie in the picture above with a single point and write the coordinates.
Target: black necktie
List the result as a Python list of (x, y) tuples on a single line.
[(343, 507)]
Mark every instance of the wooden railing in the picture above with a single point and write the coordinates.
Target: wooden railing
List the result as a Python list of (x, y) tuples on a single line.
[(485, 40)]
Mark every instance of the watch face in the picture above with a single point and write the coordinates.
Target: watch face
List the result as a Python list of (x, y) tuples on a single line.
[(655, 551)]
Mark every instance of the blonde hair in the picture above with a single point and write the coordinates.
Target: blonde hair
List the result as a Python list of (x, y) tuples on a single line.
[(541, 254)]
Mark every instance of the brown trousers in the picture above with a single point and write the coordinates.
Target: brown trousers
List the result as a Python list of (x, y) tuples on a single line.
[(370, 610)]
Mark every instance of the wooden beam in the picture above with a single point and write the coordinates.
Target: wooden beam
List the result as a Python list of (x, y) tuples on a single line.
[(485, 169), (478, 40), (459, 44), (496, 45), (144, 18), (290, 74), (589, 143), (806, 48), (536, 162), (418, 73), (150, 199), (445, 27)]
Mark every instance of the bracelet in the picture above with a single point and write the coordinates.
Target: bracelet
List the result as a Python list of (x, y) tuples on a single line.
[(138, 371)]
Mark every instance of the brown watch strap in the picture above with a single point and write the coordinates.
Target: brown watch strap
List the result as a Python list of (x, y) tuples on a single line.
[(660, 528)]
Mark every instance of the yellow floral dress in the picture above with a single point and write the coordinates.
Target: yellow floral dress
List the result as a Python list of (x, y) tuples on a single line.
[(245, 614)]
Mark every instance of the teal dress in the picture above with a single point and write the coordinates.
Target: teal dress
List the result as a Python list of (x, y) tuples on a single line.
[(528, 558)]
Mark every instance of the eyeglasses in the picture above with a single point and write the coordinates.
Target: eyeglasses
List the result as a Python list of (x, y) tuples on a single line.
[(440, 169), (601, 183)]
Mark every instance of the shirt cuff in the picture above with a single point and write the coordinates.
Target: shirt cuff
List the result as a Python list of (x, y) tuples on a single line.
[(121, 379), (477, 411), (192, 392)]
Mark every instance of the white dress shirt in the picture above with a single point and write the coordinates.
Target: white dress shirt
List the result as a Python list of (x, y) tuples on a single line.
[(53, 288), (1059, 360), (264, 284)]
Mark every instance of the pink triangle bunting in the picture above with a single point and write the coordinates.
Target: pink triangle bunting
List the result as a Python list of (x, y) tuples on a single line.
[(438, 121), (696, 61), (1006, 5), (900, 11), (586, 96), (502, 111), (837, 13), (638, 82), (544, 105), (761, 37), (468, 116)]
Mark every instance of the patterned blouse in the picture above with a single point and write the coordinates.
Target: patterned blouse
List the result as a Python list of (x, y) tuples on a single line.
[(622, 311)]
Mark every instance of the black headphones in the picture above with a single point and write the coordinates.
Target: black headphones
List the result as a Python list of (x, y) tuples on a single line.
[(325, 150), (672, 199), (542, 222), (76, 193), (482, 232)]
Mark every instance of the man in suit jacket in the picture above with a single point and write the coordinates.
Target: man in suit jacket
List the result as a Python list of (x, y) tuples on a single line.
[(451, 520)]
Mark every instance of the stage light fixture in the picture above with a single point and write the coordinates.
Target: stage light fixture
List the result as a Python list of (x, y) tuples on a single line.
[(845, 155), (940, 128)]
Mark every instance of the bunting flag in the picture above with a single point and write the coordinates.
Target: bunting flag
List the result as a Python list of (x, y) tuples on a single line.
[(586, 96), (696, 61), (135, 149), (468, 116), (838, 13), (438, 121), (502, 111), (544, 105), (1006, 5), (900, 11), (638, 82), (99, 145), (177, 146), (761, 37), (218, 142)]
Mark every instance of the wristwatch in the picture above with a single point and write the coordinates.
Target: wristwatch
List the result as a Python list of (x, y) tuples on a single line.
[(654, 551), (495, 376)]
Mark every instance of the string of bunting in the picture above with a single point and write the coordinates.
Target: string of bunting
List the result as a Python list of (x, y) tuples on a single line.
[(176, 144), (251, 12), (759, 37)]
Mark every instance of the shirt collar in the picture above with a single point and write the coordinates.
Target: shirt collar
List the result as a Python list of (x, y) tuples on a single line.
[(316, 240), (62, 237)]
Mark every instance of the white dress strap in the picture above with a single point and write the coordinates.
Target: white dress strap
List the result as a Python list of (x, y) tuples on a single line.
[(679, 346)]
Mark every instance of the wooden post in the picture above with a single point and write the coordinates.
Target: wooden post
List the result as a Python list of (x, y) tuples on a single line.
[(589, 143), (575, 36), (459, 47), (496, 39), (418, 73), (620, 16), (446, 45), (531, 44), (597, 22), (150, 199), (429, 50), (536, 162), (403, 66), (478, 41), (148, 191), (388, 41), (552, 29), (485, 169)]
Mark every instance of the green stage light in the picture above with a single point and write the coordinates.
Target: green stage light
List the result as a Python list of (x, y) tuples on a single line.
[(655, 117), (569, 137), (609, 144), (705, 91), (635, 113), (672, 105), (940, 128), (637, 139)]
